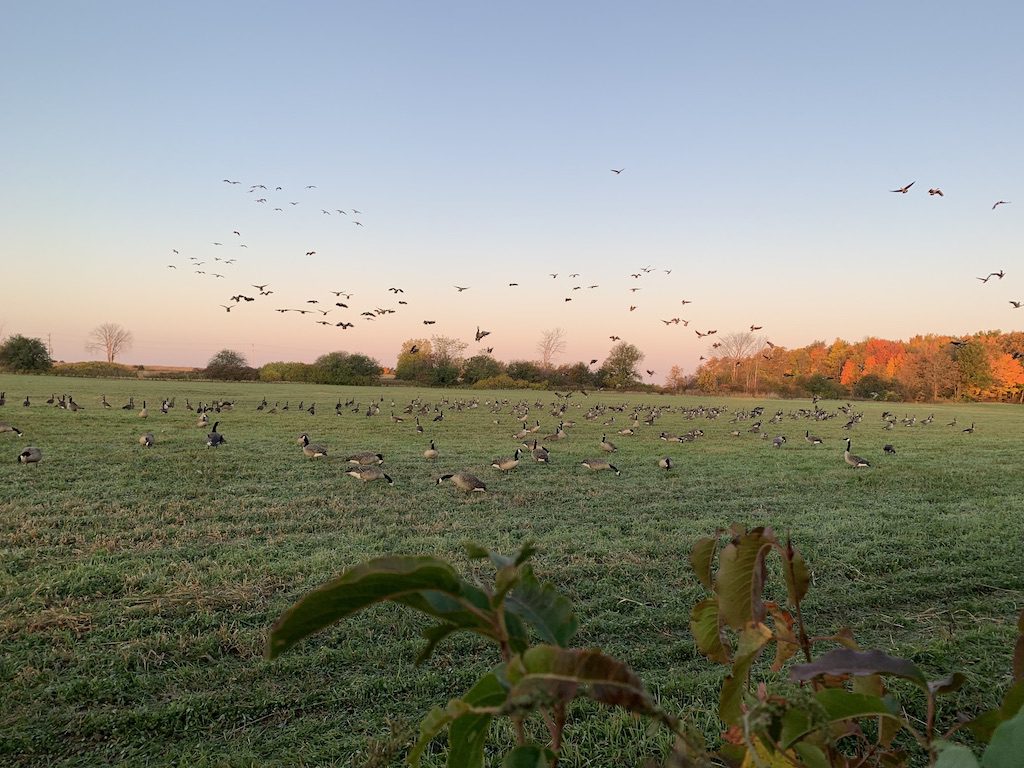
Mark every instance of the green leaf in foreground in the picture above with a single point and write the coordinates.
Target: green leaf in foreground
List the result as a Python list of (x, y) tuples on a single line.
[(707, 631), (954, 755), (1006, 749), (528, 756), (741, 577), (700, 560), (543, 608), (425, 583)]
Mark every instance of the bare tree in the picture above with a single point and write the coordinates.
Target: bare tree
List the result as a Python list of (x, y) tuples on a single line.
[(739, 346), (550, 346), (111, 339)]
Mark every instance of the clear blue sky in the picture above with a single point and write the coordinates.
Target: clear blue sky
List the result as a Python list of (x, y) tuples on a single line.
[(759, 141)]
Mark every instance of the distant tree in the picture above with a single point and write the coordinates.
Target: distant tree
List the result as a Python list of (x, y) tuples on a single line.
[(874, 387), (822, 386), (550, 346), (20, 354), (621, 363), (415, 361), (228, 365), (345, 368), (737, 347), (677, 380), (481, 367), (281, 371), (447, 349), (111, 339), (975, 371), (525, 370), (576, 375)]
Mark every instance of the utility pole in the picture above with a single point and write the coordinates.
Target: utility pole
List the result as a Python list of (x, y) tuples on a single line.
[(49, 345)]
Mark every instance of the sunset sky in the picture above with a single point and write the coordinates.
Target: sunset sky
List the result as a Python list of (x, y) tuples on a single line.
[(759, 144)]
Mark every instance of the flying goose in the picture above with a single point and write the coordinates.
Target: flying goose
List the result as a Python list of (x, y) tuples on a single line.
[(506, 463), (464, 481), (853, 461), (598, 465), (30, 455), (368, 474)]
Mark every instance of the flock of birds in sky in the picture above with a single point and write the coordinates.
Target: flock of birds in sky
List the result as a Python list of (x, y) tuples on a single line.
[(339, 309)]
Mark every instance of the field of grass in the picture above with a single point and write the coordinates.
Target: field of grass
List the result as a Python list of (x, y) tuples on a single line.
[(137, 585)]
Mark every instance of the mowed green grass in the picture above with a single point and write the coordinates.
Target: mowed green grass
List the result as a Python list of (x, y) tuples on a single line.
[(137, 585)]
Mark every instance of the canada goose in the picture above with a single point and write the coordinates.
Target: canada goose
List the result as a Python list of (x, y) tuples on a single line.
[(3, 398), (368, 474), (813, 440), (103, 401), (30, 455), (853, 461), (779, 441), (4, 427), (606, 446), (969, 430), (665, 462), (419, 427), (147, 440), (506, 463), (597, 465), (431, 452), (540, 454), (464, 481), (143, 413), (312, 450), (203, 420), (215, 438), (364, 458), (889, 449)]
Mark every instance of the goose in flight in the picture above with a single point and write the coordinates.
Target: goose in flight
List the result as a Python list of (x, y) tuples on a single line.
[(905, 189)]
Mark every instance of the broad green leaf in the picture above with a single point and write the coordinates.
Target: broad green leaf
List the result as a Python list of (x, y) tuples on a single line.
[(474, 551), (740, 580), (948, 684), (504, 580), (811, 755), (468, 734), (752, 640), (798, 579), (558, 674), (838, 705), (954, 755), (701, 555), (1006, 750), (528, 756), (983, 725), (843, 661), (425, 583), (870, 685), (432, 724), (543, 608), (707, 631)]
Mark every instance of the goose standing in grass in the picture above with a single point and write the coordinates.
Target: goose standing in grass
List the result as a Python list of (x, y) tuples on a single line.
[(147, 440), (812, 439), (598, 465), (311, 450), (506, 463), (215, 438), (464, 481), (143, 413), (606, 446), (888, 448), (365, 458), (30, 455), (853, 461), (969, 430), (779, 441), (5, 427), (431, 453), (665, 462), (369, 474), (540, 453)]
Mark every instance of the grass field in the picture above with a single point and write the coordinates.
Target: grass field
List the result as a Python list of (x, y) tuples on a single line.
[(137, 585)]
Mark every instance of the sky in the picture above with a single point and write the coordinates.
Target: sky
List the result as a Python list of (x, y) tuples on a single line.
[(758, 144)]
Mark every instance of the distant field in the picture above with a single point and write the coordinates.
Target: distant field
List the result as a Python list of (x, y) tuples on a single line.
[(137, 585)]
